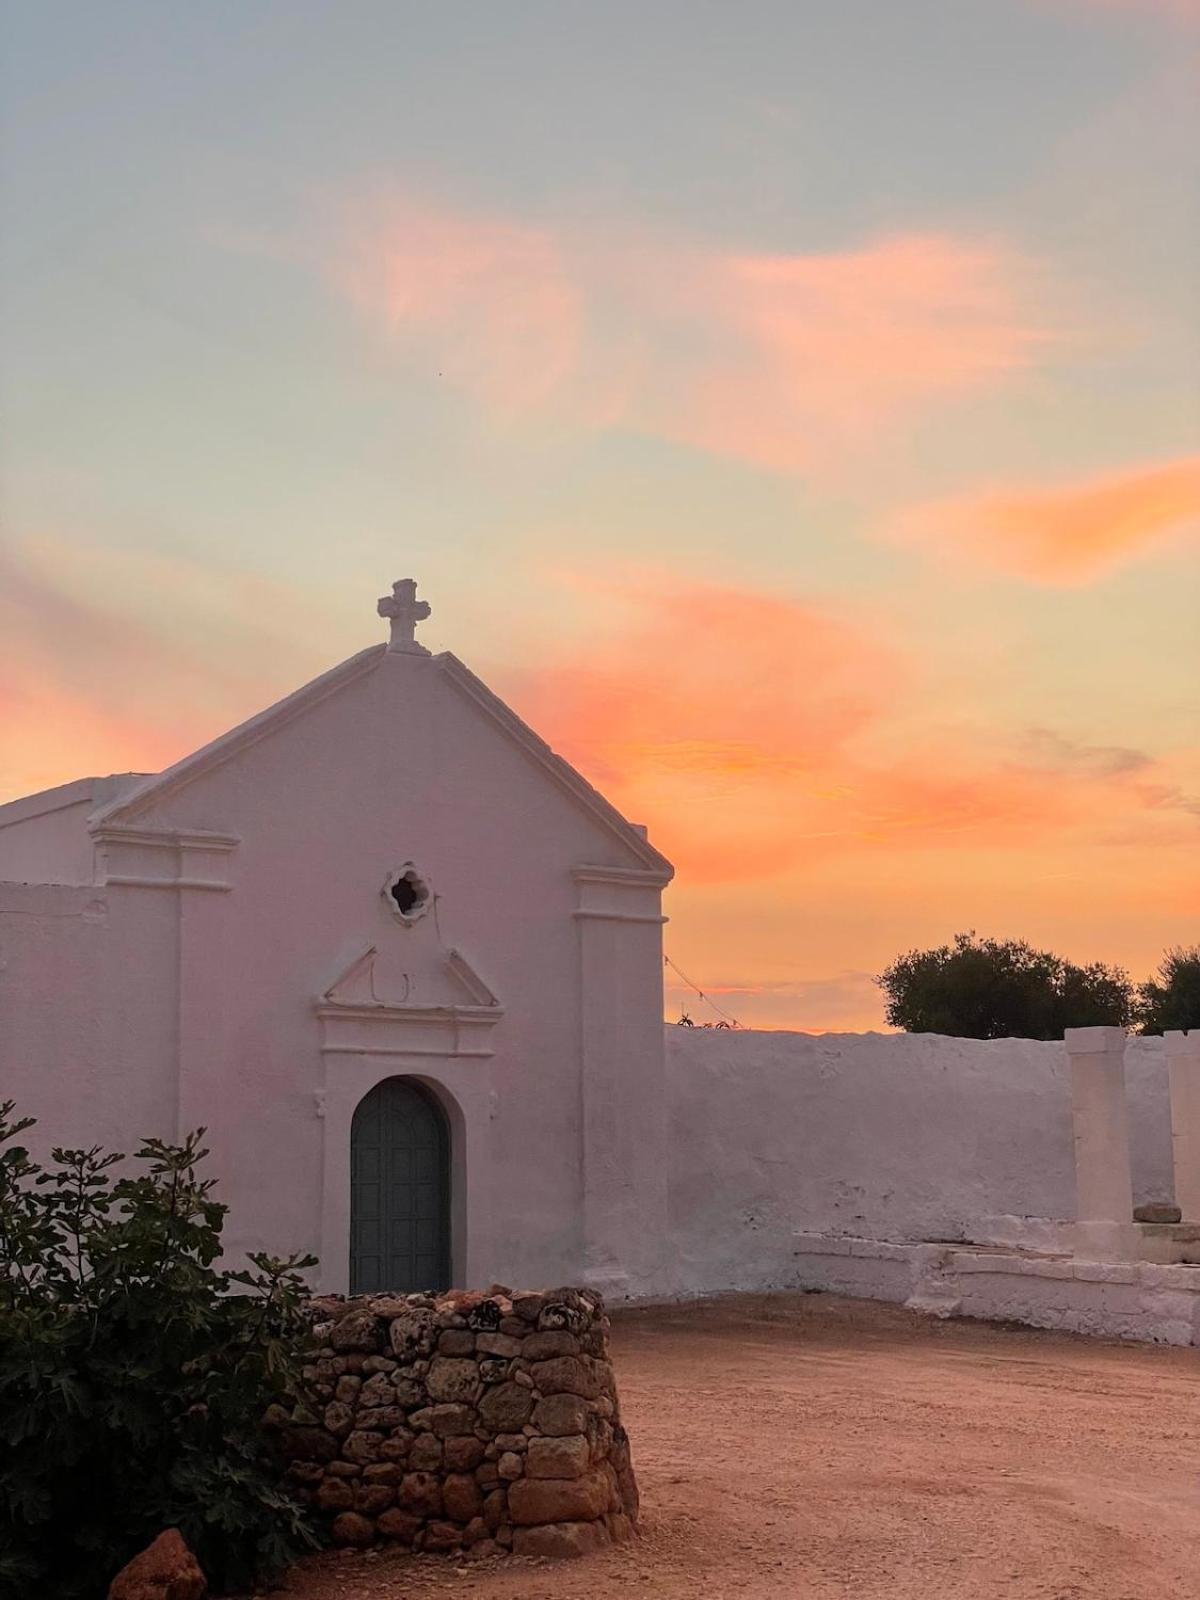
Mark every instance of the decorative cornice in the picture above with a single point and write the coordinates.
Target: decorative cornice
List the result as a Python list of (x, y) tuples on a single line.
[(628, 877), (591, 915), (166, 839), (130, 880), (380, 1010), (389, 1030), (162, 858)]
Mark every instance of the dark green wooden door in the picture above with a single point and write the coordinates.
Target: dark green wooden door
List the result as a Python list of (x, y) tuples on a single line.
[(399, 1191)]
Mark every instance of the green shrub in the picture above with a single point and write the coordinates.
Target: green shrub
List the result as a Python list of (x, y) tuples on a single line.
[(134, 1373)]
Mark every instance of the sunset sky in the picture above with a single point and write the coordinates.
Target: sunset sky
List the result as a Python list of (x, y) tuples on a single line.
[(792, 408)]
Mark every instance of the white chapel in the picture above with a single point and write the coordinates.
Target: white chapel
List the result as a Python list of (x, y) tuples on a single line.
[(398, 957)]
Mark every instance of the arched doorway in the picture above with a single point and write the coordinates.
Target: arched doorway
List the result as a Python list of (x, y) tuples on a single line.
[(399, 1191)]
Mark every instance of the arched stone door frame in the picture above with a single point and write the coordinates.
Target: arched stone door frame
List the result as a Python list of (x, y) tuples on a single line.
[(447, 1048), (464, 1092)]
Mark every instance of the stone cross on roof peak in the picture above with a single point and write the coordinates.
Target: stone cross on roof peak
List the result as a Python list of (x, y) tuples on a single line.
[(404, 611)]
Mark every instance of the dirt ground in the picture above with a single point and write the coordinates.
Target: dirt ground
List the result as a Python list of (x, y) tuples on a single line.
[(813, 1446)]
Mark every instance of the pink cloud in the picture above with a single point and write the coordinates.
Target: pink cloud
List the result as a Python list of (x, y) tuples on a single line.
[(778, 359), (492, 303), (1069, 533), (114, 660)]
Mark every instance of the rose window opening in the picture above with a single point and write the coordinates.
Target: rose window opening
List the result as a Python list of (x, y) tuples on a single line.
[(407, 893)]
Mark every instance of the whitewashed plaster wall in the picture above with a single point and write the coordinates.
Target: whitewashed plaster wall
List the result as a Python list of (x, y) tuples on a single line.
[(127, 1010), (44, 838), (886, 1136)]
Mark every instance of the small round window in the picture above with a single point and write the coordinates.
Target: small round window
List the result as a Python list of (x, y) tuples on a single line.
[(407, 893)]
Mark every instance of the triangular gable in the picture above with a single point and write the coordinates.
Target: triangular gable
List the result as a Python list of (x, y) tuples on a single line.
[(562, 773), (127, 806), (221, 749)]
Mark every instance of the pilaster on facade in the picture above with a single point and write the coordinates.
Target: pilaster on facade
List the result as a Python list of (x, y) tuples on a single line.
[(619, 894), (622, 1088)]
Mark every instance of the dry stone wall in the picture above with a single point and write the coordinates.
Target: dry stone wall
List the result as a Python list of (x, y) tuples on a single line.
[(464, 1421)]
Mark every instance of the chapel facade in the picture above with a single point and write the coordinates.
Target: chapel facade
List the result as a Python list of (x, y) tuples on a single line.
[(400, 960)]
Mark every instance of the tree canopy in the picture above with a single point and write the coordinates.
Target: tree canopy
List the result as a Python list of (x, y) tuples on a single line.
[(1002, 989), (1172, 1000)]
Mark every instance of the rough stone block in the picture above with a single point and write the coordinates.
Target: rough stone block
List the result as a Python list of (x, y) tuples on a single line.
[(462, 1454), (358, 1330), (506, 1408), (420, 1493), (462, 1498), (560, 1414), (372, 1498), (402, 1525), (336, 1494), (425, 1454), (566, 1375), (351, 1528), (565, 1457), (453, 1379), (543, 1346), (536, 1500), (560, 1540), (456, 1342), (361, 1446)]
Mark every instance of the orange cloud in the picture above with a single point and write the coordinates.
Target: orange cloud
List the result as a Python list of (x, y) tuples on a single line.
[(739, 726), (781, 360), (1071, 533)]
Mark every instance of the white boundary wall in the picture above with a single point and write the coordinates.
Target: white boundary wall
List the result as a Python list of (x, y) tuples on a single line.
[(905, 1138)]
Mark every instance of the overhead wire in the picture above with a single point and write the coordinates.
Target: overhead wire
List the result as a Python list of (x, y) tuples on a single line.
[(731, 1020)]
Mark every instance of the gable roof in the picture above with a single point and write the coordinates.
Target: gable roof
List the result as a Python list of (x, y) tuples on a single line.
[(127, 805), (79, 792)]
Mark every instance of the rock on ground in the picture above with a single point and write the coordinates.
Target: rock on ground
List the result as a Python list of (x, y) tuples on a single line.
[(165, 1570)]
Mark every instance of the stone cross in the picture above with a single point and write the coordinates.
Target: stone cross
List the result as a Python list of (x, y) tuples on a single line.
[(404, 611)]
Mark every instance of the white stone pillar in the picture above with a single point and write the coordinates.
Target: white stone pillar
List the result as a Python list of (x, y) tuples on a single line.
[(1183, 1067), (1103, 1177)]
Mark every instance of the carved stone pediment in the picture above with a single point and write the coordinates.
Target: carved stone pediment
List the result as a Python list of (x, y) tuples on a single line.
[(443, 1008)]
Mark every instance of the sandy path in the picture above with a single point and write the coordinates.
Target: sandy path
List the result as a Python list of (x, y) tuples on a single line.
[(818, 1447)]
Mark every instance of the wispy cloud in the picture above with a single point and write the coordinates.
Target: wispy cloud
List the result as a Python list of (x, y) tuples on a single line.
[(1070, 533), (778, 359), (1042, 749), (112, 661)]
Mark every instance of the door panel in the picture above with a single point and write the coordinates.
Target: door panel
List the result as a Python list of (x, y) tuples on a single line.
[(399, 1191)]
